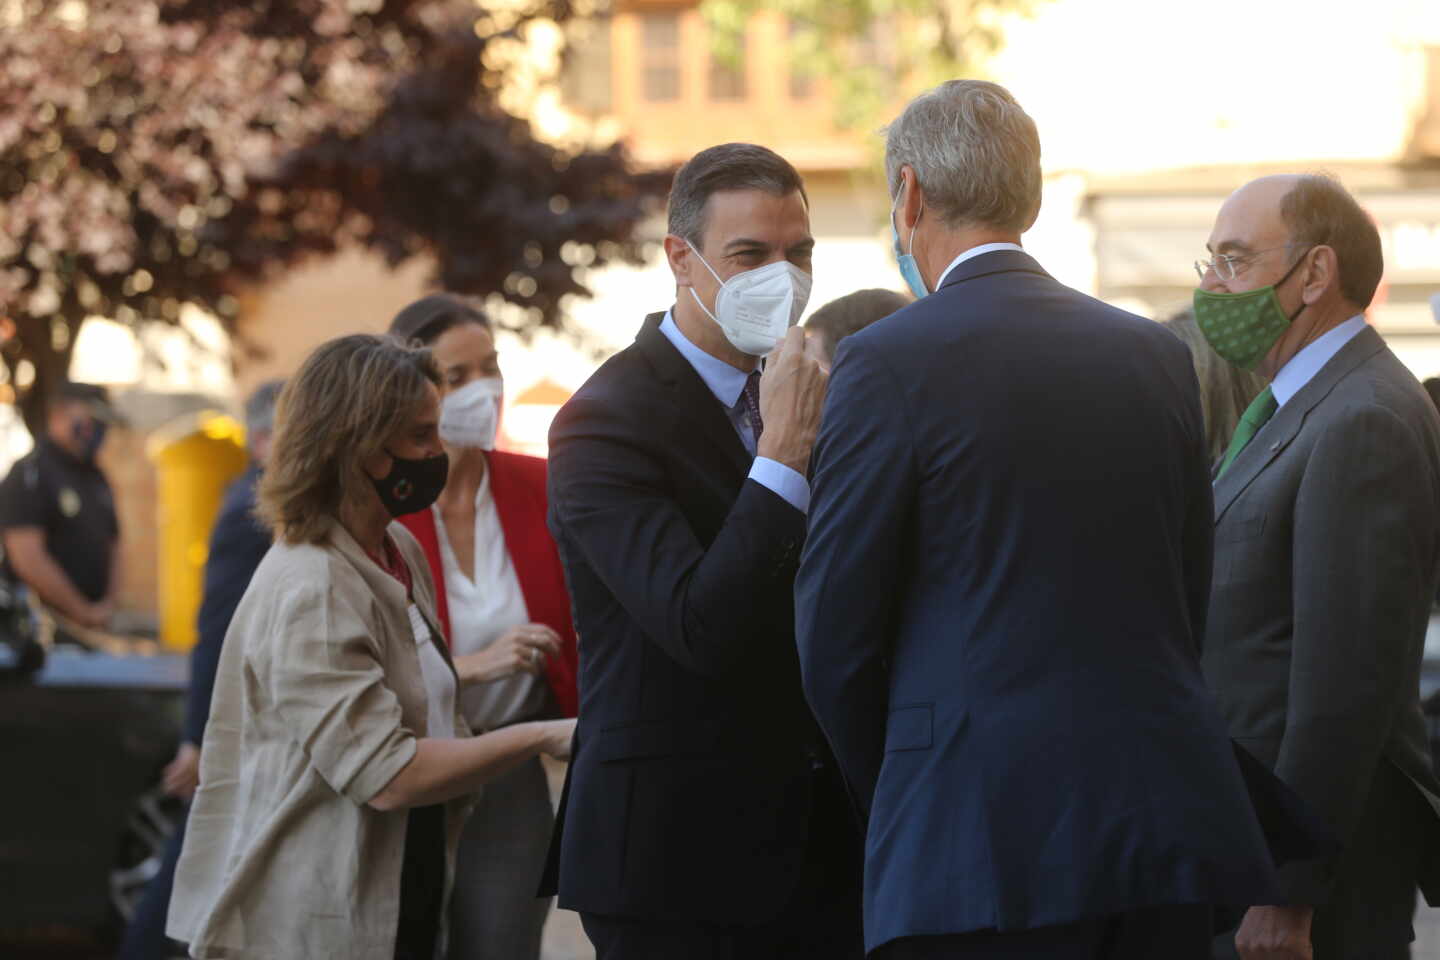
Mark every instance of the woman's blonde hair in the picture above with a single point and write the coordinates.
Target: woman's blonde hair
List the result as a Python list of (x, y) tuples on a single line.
[(349, 398), (1225, 389)]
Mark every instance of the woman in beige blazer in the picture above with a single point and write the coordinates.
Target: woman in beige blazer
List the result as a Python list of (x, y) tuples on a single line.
[(334, 761)]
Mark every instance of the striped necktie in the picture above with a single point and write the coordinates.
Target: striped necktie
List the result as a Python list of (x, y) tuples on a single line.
[(751, 397)]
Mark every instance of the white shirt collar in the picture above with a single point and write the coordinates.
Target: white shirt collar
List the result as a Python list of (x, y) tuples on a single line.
[(725, 381), (1302, 367), (971, 254)]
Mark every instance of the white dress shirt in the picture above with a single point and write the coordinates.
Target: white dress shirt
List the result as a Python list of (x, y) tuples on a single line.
[(727, 384), (1302, 367), (481, 611), (974, 252)]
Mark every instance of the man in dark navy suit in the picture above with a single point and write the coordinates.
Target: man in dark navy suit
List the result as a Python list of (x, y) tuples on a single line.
[(703, 816), (1001, 598)]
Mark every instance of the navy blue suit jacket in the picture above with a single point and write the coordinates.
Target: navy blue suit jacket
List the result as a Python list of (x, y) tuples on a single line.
[(238, 542), (999, 611), (698, 771)]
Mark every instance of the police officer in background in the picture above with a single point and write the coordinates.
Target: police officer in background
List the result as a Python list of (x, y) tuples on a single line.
[(57, 514)]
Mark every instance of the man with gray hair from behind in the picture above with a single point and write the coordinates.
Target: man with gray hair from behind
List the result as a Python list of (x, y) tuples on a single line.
[(1002, 591)]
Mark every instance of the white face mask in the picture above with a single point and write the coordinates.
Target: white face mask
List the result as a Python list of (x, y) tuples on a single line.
[(470, 416), (755, 308)]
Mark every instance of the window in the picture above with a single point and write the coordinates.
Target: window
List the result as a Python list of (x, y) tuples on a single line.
[(585, 82), (727, 76), (660, 56), (802, 82), (1425, 140)]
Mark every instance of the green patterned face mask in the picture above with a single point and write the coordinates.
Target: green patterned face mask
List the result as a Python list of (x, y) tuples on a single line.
[(1242, 327)]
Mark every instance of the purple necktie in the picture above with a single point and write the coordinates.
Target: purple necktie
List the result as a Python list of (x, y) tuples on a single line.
[(751, 396)]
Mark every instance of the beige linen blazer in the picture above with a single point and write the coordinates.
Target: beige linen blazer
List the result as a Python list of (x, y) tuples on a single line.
[(318, 703)]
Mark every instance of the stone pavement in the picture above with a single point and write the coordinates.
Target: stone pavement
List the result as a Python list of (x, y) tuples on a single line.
[(565, 940)]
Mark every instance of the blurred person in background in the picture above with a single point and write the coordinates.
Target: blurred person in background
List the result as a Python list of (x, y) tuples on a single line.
[(999, 605), (1432, 387), (336, 767), (703, 815), (1327, 554), (238, 542), (58, 525), (846, 315), (1225, 389), (500, 594)]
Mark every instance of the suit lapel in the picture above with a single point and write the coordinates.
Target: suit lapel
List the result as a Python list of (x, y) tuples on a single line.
[(693, 401), (1276, 435)]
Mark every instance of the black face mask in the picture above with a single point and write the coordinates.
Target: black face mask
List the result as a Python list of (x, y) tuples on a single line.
[(91, 439), (412, 485)]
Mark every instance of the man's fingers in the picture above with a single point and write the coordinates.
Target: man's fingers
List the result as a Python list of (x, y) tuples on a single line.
[(773, 357)]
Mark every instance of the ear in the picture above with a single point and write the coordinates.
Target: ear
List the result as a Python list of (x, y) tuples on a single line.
[(678, 254), (377, 466), (1321, 274), (912, 199)]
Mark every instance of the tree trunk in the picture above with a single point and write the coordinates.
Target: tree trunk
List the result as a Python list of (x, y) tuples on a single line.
[(35, 338)]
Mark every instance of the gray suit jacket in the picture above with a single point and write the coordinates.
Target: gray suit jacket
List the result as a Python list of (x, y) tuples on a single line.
[(1327, 553)]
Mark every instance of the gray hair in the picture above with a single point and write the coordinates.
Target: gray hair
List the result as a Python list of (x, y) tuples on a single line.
[(729, 166), (975, 153), (260, 407)]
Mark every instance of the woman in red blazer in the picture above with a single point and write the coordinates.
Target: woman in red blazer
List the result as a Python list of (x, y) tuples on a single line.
[(501, 597)]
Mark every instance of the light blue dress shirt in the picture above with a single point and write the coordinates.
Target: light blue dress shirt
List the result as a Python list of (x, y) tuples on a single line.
[(727, 384), (1302, 367)]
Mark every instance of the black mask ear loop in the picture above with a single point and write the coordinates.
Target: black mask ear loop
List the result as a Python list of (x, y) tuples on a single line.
[(1277, 283)]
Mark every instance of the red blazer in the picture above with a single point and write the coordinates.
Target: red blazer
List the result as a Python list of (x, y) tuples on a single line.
[(518, 485)]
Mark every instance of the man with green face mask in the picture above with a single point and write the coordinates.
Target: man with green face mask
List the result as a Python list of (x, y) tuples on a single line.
[(1327, 552)]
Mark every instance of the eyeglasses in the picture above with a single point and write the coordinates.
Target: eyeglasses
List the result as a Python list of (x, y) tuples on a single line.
[(1230, 266)]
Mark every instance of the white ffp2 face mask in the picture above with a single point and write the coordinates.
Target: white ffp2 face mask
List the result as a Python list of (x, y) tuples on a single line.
[(754, 309), (470, 416)]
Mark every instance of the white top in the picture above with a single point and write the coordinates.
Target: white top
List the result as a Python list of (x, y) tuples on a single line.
[(974, 252), (481, 611), (727, 383), (439, 679), (1302, 367)]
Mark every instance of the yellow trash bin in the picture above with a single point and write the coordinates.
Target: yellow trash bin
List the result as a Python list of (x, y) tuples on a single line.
[(196, 456)]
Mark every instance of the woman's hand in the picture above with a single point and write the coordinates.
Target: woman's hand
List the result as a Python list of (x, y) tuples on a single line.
[(556, 737), (521, 649), (182, 775)]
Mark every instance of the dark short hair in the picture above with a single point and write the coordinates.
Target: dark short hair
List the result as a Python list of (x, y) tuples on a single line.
[(1318, 211), (1432, 387), (851, 313), (426, 319), (95, 398), (730, 166), (71, 391)]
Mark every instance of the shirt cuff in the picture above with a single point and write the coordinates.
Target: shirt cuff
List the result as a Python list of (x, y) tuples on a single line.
[(787, 484)]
